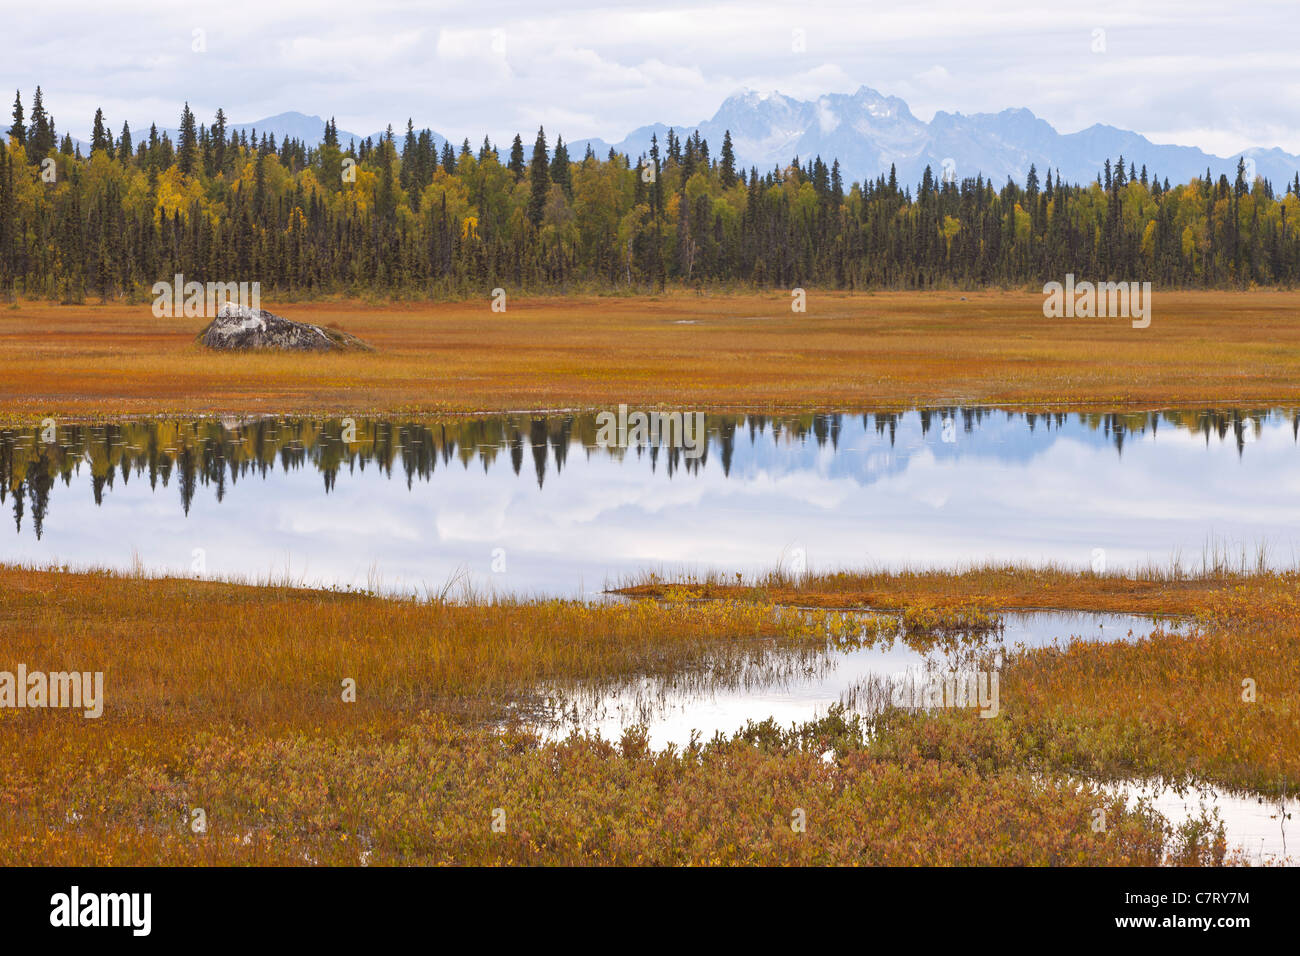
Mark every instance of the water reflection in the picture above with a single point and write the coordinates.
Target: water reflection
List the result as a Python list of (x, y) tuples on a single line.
[(1261, 828), (792, 685), (535, 503)]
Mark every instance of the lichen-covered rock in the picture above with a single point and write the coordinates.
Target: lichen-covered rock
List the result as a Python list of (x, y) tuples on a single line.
[(237, 327)]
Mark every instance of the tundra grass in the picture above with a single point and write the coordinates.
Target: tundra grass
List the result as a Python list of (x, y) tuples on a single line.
[(226, 699), (1216, 699), (1168, 590), (711, 352), (434, 793)]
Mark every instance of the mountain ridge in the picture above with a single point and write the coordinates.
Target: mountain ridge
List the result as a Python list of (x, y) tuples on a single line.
[(868, 133)]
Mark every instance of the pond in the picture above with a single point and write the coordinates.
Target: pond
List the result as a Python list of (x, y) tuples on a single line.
[(791, 686), (559, 505), (562, 504)]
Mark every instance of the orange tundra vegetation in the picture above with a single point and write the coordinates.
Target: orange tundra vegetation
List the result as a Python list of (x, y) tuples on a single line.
[(713, 352), (1170, 705), (226, 698)]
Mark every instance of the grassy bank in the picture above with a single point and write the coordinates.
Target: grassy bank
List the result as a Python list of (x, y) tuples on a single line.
[(882, 350), (1158, 590), (228, 699)]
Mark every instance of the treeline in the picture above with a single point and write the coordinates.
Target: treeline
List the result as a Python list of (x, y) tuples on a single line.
[(403, 217)]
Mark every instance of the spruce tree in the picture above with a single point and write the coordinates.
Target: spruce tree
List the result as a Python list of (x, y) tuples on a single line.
[(727, 162), (40, 131), (219, 143), (289, 237), (560, 167), (18, 132), (408, 178), (187, 151), (539, 176), (101, 140), (516, 164)]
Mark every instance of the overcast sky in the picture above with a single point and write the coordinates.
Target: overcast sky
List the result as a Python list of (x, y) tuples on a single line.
[(1222, 76)]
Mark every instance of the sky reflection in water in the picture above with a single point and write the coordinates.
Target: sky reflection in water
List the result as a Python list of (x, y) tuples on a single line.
[(532, 505)]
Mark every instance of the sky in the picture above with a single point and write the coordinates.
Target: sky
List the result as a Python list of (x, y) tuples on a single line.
[(1217, 75)]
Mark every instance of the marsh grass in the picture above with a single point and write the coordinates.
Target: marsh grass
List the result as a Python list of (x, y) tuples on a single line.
[(1169, 704), (427, 794), (883, 350), (227, 697), (1170, 588)]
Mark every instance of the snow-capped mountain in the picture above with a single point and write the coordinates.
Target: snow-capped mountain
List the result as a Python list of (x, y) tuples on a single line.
[(867, 132)]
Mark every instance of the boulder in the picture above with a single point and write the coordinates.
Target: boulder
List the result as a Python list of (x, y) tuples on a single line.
[(238, 327)]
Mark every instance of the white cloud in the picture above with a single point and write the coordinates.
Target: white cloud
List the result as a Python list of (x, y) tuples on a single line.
[(1193, 71), (826, 117)]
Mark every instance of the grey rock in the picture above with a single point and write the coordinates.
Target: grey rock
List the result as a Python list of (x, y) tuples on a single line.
[(238, 328)]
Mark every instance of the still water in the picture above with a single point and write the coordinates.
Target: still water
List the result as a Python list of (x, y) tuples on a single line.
[(547, 504), (791, 686), (534, 504)]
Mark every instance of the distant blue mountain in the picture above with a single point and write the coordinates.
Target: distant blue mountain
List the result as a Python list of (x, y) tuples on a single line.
[(868, 132), (309, 129)]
